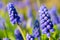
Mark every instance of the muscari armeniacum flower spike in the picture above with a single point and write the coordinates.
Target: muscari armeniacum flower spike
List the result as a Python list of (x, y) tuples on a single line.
[(14, 18), (29, 37), (18, 35), (54, 16), (45, 21), (36, 29)]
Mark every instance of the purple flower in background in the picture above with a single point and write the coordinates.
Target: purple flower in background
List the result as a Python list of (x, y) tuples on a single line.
[(59, 17), (1, 5), (58, 26), (20, 4), (23, 20), (36, 29), (36, 6), (27, 2), (29, 12), (18, 35), (29, 37), (54, 16), (2, 21), (14, 18), (21, 17), (5, 39), (24, 23), (45, 21)]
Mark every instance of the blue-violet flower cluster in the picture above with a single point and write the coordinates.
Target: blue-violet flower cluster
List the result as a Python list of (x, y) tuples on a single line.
[(46, 24)]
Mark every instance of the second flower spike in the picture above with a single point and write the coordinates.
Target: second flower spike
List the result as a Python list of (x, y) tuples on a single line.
[(45, 21)]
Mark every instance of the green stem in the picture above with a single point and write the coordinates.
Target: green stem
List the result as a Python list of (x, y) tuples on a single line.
[(20, 29)]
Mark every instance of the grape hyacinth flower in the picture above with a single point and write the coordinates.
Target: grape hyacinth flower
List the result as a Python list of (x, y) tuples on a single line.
[(29, 12), (23, 20), (54, 16), (21, 17), (45, 21), (2, 21), (36, 29), (14, 18), (18, 35), (1, 4), (29, 37), (5, 39)]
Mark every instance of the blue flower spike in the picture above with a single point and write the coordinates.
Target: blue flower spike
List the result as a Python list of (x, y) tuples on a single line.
[(46, 24), (54, 15), (36, 29), (14, 18)]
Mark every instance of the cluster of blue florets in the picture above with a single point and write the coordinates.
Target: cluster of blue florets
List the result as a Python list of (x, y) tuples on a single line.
[(14, 18), (46, 24), (36, 29)]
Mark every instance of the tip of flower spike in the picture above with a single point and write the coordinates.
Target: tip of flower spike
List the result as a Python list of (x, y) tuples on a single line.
[(43, 6), (42, 9), (10, 4), (27, 35), (36, 23), (9, 8), (16, 31)]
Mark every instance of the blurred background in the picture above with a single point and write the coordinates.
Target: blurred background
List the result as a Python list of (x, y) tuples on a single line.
[(23, 7)]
